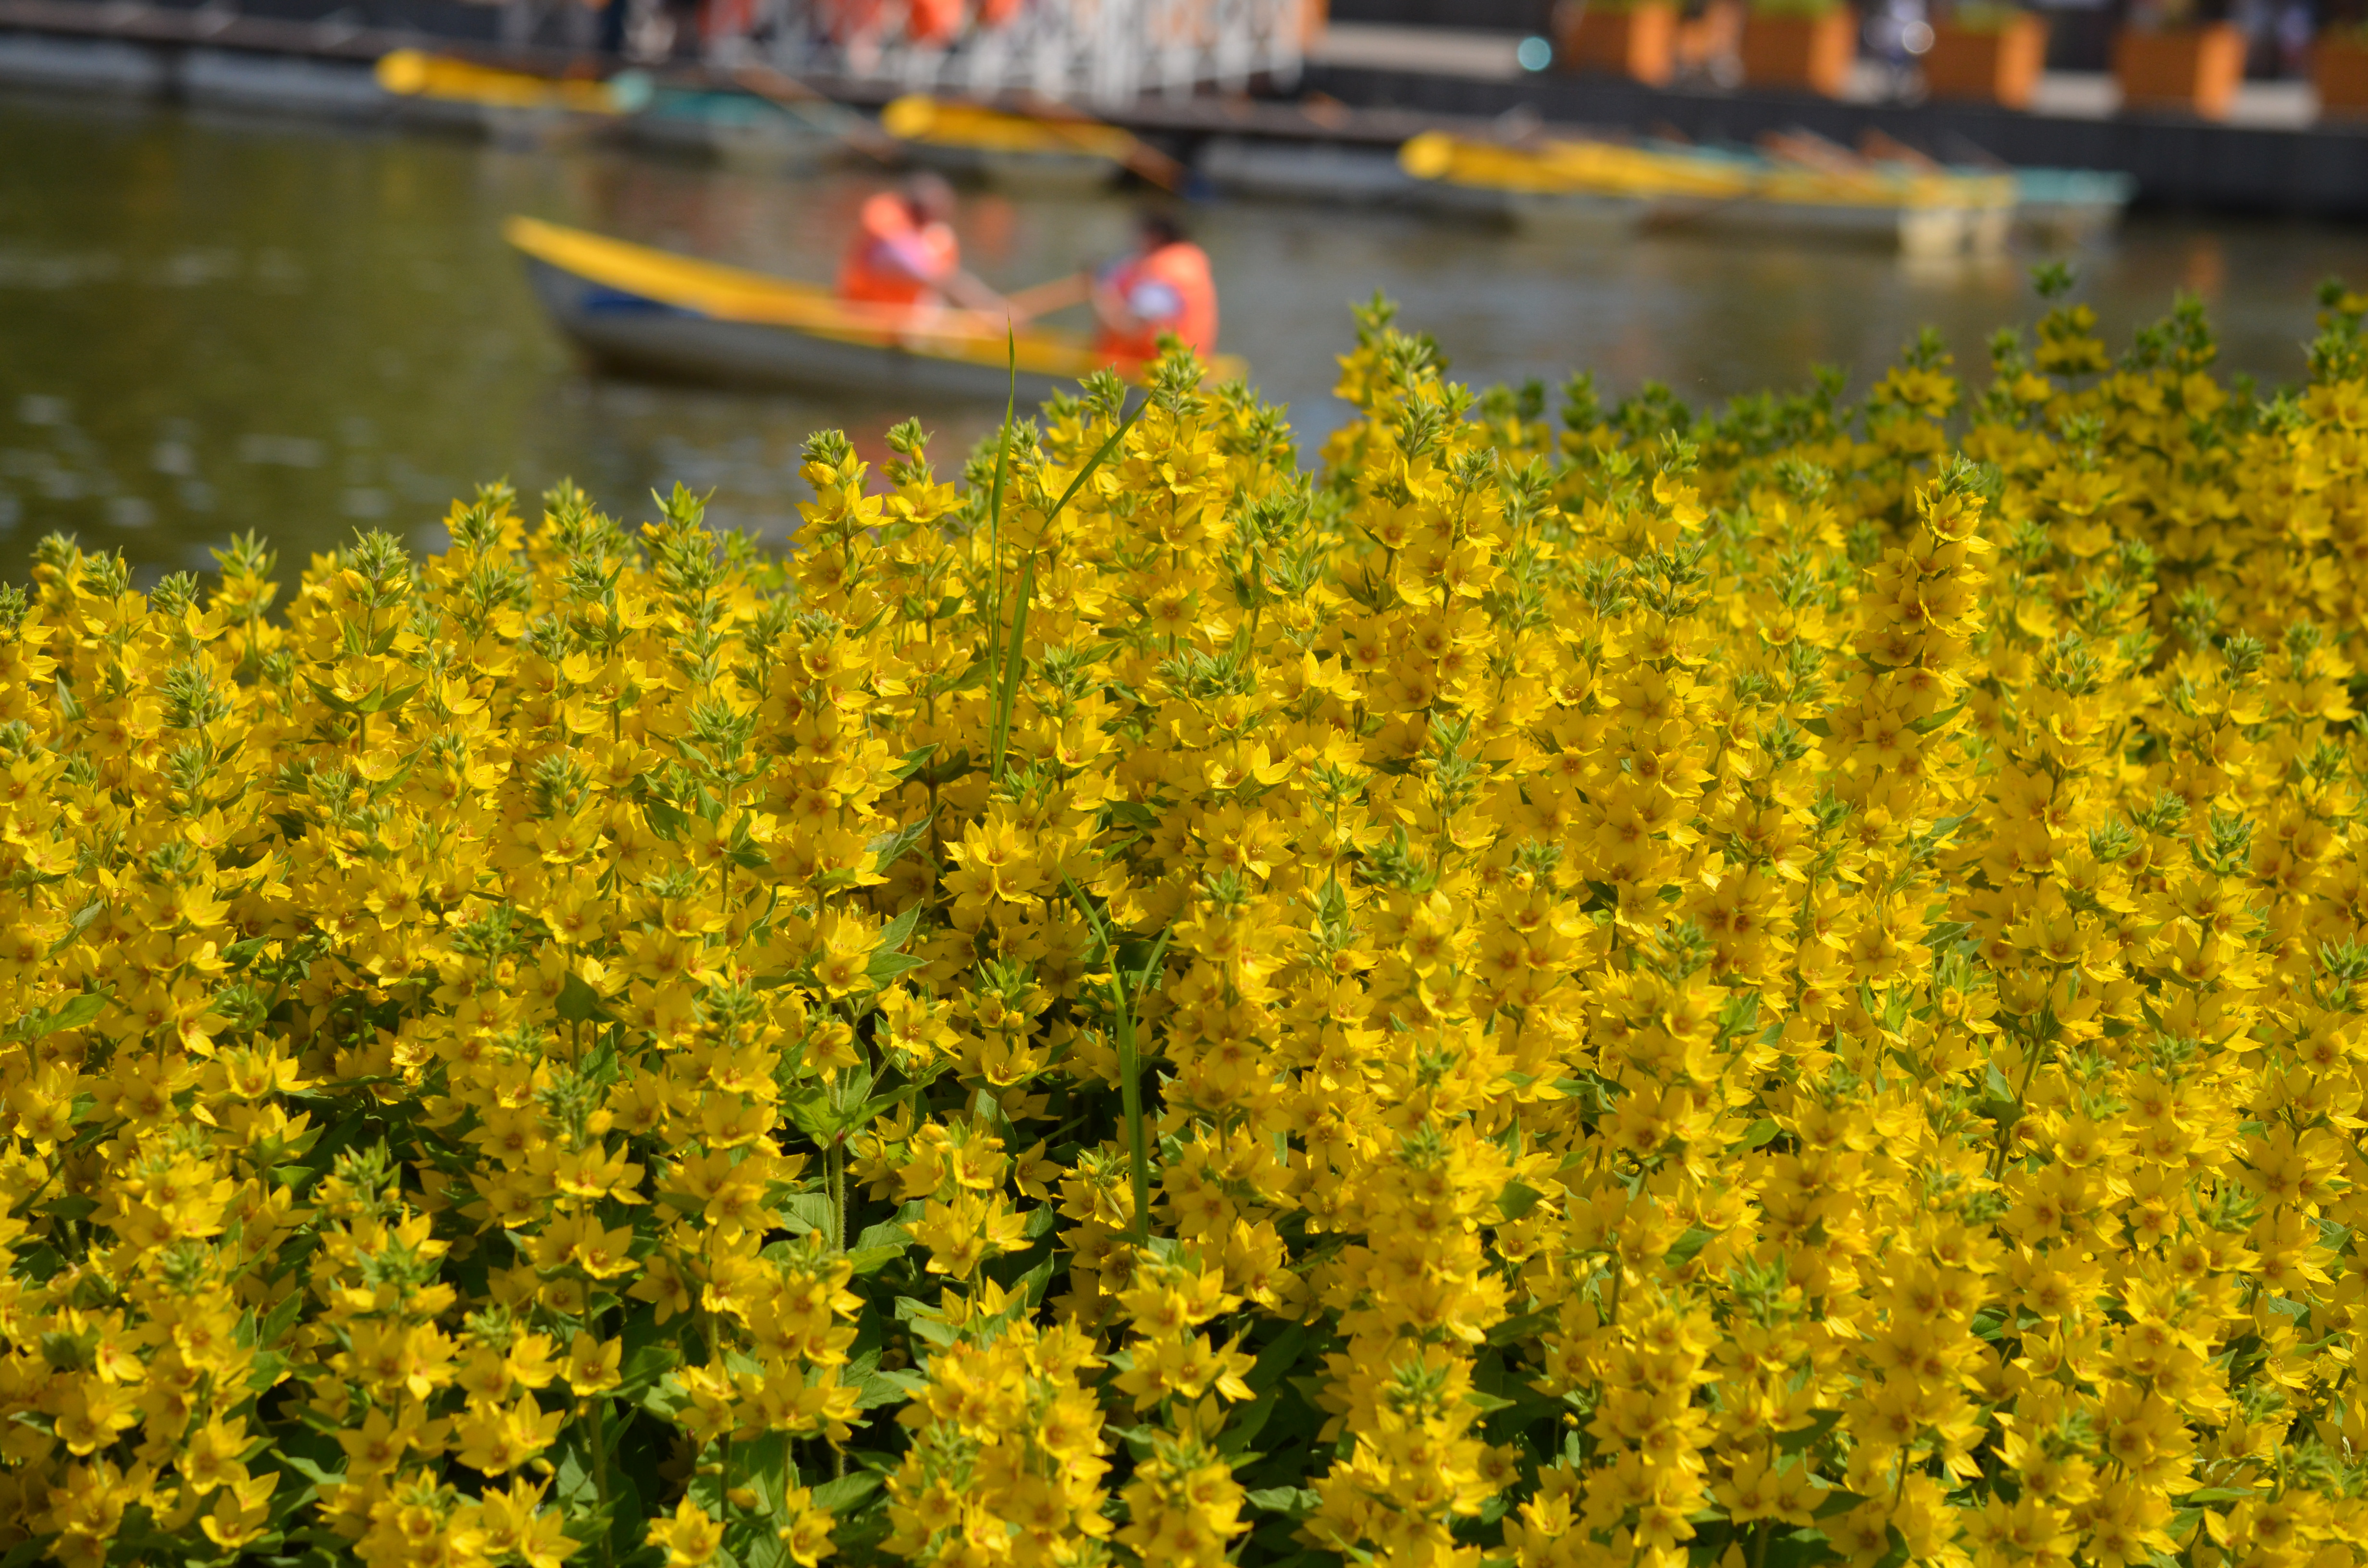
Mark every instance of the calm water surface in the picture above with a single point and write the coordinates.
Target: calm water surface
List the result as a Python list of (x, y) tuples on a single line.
[(210, 323)]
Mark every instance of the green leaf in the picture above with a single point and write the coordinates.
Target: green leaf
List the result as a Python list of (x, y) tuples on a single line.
[(1513, 1330), (899, 931), (845, 1493), (1926, 726), (76, 924), (808, 1212), (894, 846), (282, 1318), (1823, 1422), (873, 1259), (887, 967), (579, 1003), (382, 700), (310, 1470), (1686, 1245), (1517, 1199), (1760, 1133), (877, 1388), (82, 1010)]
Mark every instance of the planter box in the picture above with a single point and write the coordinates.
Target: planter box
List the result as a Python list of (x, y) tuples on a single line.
[(1814, 53), (1638, 41), (1713, 37), (2338, 70), (2195, 69), (1990, 65)]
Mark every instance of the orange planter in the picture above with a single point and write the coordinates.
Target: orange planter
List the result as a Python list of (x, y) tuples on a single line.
[(1815, 53), (1716, 35), (1994, 65), (1638, 41), (2195, 69), (2338, 69)]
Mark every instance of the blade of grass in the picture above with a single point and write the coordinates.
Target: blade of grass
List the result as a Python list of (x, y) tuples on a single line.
[(995, 495), (1007, 668)]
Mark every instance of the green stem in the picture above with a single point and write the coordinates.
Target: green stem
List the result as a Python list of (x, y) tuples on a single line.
[(836, 1165), (1130, 1089), (600, 1480), (2038, 1052)]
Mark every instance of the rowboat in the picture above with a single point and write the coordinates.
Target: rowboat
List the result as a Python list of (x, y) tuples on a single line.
[(511, 105), (636, 308), (2071, 206), (739, 129), (1925, 212), (1040, 152)]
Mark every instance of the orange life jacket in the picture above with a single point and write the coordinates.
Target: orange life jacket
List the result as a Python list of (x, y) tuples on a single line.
[(1184, 268), (893, 260)]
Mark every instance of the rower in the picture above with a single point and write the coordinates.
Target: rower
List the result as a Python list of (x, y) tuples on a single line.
[(1163, 286), (904, 253)]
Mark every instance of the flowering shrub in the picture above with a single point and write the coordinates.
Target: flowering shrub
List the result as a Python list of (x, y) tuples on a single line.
[(1762, 992)]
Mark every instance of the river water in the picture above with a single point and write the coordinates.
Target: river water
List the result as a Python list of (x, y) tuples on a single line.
[(212, 324)]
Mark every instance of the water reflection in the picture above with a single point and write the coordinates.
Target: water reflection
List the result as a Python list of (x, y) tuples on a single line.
[(214, 324)]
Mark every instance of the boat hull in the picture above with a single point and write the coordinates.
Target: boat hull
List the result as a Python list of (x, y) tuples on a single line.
[(628, 332), (735, 128), (1047, 173)]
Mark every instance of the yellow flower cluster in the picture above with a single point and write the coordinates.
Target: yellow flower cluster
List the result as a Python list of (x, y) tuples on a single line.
[(1626, 991)]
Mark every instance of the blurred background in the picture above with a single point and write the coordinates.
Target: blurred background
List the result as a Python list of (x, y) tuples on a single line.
[(253, 278)]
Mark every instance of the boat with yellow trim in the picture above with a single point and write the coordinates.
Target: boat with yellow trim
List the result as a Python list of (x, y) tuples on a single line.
[(1926, 211), (1067, 152), (470, 88), (654, 311)]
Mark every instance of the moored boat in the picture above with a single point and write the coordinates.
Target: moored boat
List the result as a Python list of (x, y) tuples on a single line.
[(653, 310), (1923, 211), (2071, 206), (1039, 152), (737, 127), (511, 105)]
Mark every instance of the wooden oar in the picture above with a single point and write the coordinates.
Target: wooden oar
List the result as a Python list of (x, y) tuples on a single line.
[(1138, 155), (1042, 298)]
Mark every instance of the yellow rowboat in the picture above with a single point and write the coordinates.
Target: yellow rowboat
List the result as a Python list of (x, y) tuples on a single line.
[(1021, 149), (1925, 212), (653, 310), (413, 74)]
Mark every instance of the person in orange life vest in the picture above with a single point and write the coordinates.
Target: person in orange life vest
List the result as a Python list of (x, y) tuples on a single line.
[(1163, 287), (903, 253)]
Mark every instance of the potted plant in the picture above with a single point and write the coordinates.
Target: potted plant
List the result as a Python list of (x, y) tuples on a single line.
[(2338, 70), (1628, 38), (1800, 43), (2171, 60), (1988, 52)]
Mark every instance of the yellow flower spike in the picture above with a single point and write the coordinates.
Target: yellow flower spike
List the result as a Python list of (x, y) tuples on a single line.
[(1666, 972)]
